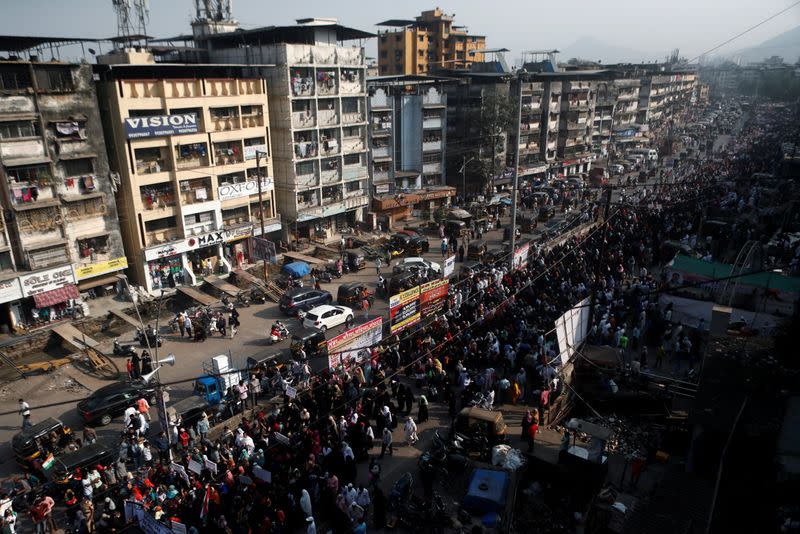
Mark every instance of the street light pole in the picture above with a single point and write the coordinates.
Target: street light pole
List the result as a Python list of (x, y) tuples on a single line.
[(261, 206), (520, 74), (464, 164)]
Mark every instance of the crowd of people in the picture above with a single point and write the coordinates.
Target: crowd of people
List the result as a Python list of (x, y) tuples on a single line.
[(317, 458)]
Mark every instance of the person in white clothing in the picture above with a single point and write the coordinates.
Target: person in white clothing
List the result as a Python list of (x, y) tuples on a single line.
[(411, 431)]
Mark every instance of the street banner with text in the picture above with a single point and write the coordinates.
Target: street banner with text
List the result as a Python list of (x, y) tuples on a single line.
[(432, 297), (404, 310), (353, 346)]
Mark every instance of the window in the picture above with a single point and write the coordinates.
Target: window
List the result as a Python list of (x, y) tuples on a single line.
[(235, 215), (93, 245), (44, 257), (78, 167), (352, 159), (383, 38), (5, 261), (198, 218), (398, 55), (421, 38), (15, 129), (421, 53), (384, 54), (232, 178), (160, 224), (352, 186), (256, 214), (223, 113), (252, 111), (15, 78), (398, 37), (54, 79), (28, 173)]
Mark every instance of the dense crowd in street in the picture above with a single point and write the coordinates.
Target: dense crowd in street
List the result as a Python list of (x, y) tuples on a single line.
[(307, 461)]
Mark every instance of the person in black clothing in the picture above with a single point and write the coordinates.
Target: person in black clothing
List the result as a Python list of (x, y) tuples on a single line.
[(221, 325), (137, 365), (147, 363), (461, 253)]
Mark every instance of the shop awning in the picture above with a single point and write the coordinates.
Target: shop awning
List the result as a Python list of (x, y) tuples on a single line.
[(56, 296), (97, 282)]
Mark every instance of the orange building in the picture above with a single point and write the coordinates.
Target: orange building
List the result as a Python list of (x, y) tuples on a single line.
[(431, 41)]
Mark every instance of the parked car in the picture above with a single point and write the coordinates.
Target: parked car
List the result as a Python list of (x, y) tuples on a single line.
[(327, 316), (418, 239), (303, 299), (416, 260), (107, 402), (403, 280)]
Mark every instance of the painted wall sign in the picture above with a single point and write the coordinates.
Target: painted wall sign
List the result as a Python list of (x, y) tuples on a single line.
[(36, 283)]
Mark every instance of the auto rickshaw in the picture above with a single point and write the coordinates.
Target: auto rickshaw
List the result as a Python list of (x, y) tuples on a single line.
[(402, 281), (30, 442), (475, 421), (311, 340), (352, 294), (356, 259), (546, 213), (476, 250)]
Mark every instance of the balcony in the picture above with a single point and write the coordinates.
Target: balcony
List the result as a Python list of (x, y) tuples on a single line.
[(555, 106), (191, 163), (182, 89), (304, 150), (529, 126), (154, 200), (431, 167), (303, 119), (350, 56), (329, 147), (380, 152), (307, 205), (330, 176), (228, 156), (153, 166), (30, 193), (324, 55), (354, 117), (380, 176), (352, 144), (353, 194), (199, 228), (432, 122), (429, 146), (195, 196), (552, 126), (354, 172), (302, 86), (222, 124), (252, 121), (575, 126), (328, 117), (351, 87), (326, 83), (159, 237)]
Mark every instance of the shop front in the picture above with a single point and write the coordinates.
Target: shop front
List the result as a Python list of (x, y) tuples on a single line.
[(100, 277), (391, 210), (46, 296), (189, 260)]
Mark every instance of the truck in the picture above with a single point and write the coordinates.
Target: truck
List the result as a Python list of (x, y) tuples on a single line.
[(218, 379)]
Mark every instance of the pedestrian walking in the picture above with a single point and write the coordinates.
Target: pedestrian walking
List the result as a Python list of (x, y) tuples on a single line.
[(144, 407), (444, 247), (386, 442), (222, 325), (255, 390), (410, 429), (532, 429), (422, 415), (378, 266), (242, 391), (136, 360), (365, 307), (187, 325), (461, 253), (129, 366), (25, 412), (181, 320)]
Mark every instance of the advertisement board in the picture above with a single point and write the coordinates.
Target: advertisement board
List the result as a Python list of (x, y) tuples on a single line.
[(191, 243), (36, 283), (432, 297), (252, 151), (354, 345), (244, 189), (160, 125), (404, 310), (571, 329), (520, 259), (10, 290), (449, 266), (103, 267)]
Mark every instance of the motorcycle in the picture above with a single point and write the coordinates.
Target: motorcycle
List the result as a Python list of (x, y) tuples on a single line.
[(401, 491), (278, 332), (333, 271), (151, 339), (324, 277), (243, 299), (126, 351), (173, 324)]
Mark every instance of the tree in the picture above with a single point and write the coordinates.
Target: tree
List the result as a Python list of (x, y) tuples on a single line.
[(492, 121)]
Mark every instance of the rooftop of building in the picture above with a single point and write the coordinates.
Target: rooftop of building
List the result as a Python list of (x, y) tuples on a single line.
[(304, 32), (408, 79)]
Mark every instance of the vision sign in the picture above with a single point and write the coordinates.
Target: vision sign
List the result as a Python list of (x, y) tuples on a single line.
[(160, 125)]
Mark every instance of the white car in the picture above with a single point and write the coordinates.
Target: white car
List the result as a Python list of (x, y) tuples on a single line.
[(327, 316), (431, 265)]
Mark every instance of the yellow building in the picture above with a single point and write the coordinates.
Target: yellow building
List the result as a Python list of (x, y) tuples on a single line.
[(186, 141), (431, 41)]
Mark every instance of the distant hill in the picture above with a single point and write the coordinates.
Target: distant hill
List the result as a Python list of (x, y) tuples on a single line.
[(593, 49), (785, 45)]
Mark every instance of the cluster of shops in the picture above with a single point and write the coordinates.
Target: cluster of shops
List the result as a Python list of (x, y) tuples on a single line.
[(37, 298), (187, 261), (422, 203)]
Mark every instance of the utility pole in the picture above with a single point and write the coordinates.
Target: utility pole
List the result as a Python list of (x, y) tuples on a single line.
[(520, 74), (261, 208), (464, 163)]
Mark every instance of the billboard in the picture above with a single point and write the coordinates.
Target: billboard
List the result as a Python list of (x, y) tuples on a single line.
[(520, 259), (404, 310), (432, 296), (160, 125), (571, 329), (353, 346)]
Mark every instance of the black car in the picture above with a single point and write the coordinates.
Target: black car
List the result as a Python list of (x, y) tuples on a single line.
[(85, 457), (101, 406), (303, 299)]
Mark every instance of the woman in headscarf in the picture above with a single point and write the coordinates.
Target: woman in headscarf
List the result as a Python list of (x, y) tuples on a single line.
[(411, 431), (305, 503), (422, 416)]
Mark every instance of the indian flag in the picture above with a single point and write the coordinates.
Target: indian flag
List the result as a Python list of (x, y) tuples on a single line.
[(49, 461)]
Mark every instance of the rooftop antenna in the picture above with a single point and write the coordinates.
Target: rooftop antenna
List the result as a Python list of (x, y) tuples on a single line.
[(132, 19)]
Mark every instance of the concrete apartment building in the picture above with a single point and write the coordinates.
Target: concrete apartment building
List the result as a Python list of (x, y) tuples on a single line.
[(662, 92), (318, 118), (407, 129), (429, 42), (615, 111), (187, 141), (60, 234)]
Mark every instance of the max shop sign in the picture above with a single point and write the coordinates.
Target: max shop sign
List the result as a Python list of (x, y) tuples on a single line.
[(195, 242), (244, 189), (160, 125), (36, 283)]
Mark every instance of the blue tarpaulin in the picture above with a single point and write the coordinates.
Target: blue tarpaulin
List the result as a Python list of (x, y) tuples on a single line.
[(487, 492), (297, 269)]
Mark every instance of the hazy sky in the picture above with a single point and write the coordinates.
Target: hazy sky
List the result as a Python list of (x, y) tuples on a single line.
[(652, 27)]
